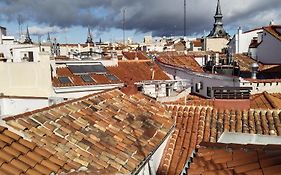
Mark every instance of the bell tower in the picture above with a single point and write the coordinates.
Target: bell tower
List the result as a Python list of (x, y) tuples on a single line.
[(218, 30)]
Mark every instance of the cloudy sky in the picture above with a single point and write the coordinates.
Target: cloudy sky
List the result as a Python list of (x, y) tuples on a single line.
[(68, 19)]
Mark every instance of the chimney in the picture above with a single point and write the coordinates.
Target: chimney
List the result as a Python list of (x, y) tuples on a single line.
[(152, 73), (136, 56), (254, 68), (217, 59)]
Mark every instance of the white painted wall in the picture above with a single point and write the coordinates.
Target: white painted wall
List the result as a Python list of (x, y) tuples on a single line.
[(76, 92), (241, 41), (269, 51), (154, 160), (26, 78), (18, 53), (13, 106), (270, 87)]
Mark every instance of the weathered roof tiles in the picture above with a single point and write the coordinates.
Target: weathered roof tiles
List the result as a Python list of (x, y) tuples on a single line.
[(108, 132), (206, 124)]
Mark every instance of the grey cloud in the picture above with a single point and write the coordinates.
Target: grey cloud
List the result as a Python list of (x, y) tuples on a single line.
[(161, 17)]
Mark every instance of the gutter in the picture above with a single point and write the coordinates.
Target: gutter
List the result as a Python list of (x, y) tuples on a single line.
[(152, 153), (203, 75), (86, 88)]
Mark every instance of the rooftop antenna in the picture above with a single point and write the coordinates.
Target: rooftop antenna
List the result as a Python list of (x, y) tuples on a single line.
[(19, 19), (184, 18), (124, 22)]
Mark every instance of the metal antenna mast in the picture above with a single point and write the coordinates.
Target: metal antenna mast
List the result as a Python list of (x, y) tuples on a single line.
[(124, 21), (184, 17)]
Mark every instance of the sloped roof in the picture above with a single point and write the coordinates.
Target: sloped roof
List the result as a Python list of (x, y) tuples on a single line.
[(266, 100), (182, 61), (19, 156), (133, 55), (136, 71), (76, 80), (218, 158), (107, 133), (200, 124), (274, 30)]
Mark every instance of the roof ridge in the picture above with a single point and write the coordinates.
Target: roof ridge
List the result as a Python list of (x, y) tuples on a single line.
[(59, 104), (273, 101)]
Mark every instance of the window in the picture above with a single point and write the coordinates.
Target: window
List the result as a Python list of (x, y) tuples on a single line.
[(64, 80), (209, 91), (87, 78), (111, 77)]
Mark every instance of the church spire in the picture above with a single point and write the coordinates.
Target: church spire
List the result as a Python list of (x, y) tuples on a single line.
[(48, 38), (218, 11), (89, 37), (218, 30), (27, 37)]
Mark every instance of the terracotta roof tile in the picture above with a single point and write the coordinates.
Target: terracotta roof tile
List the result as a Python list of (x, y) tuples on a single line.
[(274, 30), (240, 159), (182, 61), (76, 80), (108, 131), (136, 71), (266, 100), (19, 156), (196, 124), (135, 55)]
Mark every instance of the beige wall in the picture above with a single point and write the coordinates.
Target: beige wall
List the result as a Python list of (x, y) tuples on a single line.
[(215, 44), (27, 78)]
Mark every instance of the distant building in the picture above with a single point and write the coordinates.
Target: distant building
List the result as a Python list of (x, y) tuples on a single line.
[(241, 41), (268, 45), (218, 38)]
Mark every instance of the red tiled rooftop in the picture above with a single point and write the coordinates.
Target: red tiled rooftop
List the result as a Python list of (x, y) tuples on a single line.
[(107, 133), (213, 158), (19, 156), (192, 100), (136, 71), (182, 61), (135, 55), (205, 124), (266, 100), (76, 80), (274, 30)]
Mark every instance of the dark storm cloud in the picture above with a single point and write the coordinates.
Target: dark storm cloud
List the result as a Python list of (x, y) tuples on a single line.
[(162, 17)]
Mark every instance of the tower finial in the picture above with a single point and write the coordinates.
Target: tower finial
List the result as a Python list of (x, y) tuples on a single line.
[(48, 37), (218, 30), (89, 37), (218, 11), (27, 37)]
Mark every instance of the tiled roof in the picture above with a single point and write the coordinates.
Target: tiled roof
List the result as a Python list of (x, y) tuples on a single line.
[(76, 80), (197, 43), (192, 100), (266, 100), (182, 61), (274, 30), (19, 156), (200, 124), (228, 159), (133, 55), (136, 71), (244, 62), (106, 133)]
